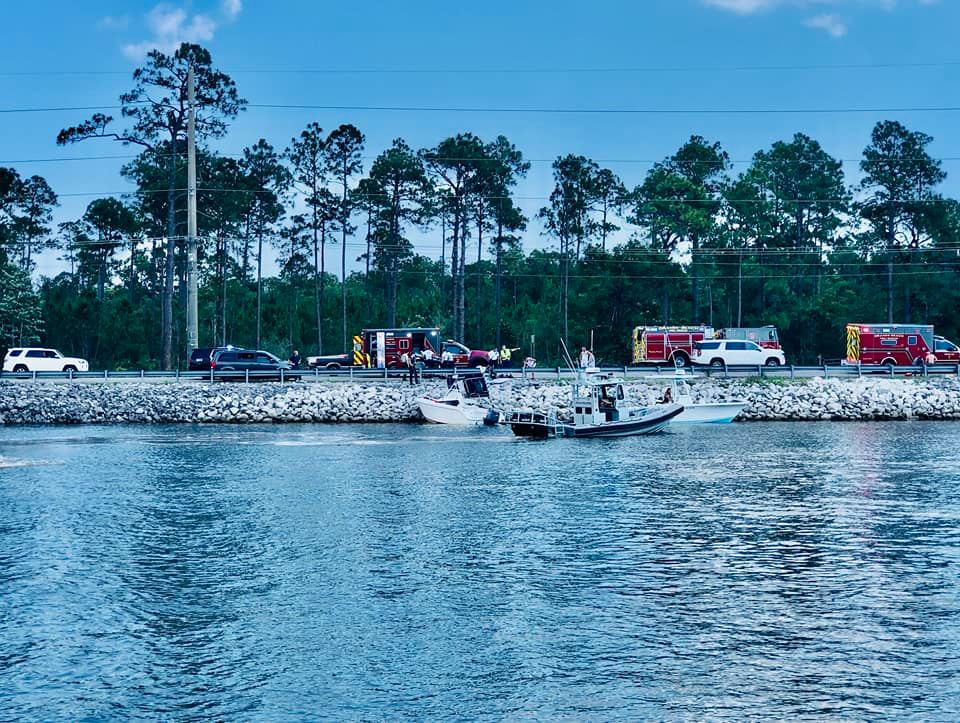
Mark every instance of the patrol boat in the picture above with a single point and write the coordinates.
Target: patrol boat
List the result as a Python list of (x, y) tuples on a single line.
[(599, 410)]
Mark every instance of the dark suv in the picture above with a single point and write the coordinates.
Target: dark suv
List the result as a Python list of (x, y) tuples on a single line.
[(200, 358), (255, 363)]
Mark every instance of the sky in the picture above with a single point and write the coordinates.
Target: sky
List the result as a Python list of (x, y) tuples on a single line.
[(684, 63)]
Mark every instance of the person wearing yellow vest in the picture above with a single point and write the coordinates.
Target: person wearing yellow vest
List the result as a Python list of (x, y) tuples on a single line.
[(505, 352)]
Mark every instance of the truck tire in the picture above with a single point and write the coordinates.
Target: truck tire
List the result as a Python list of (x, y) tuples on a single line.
[(680, 360), (772, 362), (20, 369), (70, 368), (889, 362), (717, 363), (332, 366)]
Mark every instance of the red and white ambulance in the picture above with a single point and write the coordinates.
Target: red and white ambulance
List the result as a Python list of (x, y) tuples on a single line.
[(898, 345)]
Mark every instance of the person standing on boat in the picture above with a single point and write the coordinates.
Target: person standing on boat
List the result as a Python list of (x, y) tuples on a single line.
[(587, 360)]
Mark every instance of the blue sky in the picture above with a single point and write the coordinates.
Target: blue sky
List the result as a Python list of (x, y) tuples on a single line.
[(658, 54)]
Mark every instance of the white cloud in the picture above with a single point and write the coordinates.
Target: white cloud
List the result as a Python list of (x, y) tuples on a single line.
[(830, 24), (744, 7), (113, 22), (750, 7), (231, 9), (170, 26)]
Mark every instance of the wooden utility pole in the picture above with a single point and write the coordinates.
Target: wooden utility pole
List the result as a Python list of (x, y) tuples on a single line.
[(193, 331)]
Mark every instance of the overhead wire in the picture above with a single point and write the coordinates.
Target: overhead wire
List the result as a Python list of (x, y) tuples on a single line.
[(533, 70), (534, 109), (893, 159)]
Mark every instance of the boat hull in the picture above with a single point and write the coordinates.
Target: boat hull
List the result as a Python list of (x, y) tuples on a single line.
[(650, 423), (716, 413), (460, 414), (531, 424)]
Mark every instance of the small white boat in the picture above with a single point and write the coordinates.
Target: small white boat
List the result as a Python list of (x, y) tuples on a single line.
[(700, 412), (465, 403)]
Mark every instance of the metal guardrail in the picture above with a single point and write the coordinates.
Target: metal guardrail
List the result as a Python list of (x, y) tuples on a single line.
[(535, 374)]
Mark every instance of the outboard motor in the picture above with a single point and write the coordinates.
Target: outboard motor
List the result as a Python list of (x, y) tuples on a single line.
[(492, 418)]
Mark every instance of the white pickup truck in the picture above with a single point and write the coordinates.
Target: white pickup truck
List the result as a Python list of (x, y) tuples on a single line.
[(34, 359)]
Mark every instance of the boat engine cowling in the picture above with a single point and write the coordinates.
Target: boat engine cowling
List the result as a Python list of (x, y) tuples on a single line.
[(492, 418)]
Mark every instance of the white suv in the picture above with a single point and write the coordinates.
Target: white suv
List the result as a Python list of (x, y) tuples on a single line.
[(32, 359), (730, 352)]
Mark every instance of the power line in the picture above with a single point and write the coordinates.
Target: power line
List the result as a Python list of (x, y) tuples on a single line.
[(894, 159), (57, 109), (604, 111), (659, 201), (543, 70), (534, 110)]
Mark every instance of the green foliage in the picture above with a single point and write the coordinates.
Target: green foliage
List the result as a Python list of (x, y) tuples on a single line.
[(20, 320)]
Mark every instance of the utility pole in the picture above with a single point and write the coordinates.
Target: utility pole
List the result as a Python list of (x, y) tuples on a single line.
[(193, 330)]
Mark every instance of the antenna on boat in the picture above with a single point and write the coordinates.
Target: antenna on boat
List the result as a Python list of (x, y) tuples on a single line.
[(567, 358)]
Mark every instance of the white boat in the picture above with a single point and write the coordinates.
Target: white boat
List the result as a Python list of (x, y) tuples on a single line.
[(599, 410), (700, 412), (465, 403)]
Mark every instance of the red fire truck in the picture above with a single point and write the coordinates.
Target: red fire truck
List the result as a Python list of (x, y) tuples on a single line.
[(897, 345), (674, 344)]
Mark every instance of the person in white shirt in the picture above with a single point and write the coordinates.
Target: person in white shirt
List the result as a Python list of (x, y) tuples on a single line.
[(587, 360)]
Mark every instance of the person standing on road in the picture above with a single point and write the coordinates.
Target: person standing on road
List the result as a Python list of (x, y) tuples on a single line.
[(587, 360), (295, 359), (407, 361)]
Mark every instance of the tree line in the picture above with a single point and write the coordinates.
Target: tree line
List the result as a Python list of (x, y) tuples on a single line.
[(787, 241)]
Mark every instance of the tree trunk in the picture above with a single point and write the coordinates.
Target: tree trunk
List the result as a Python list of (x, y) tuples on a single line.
[(890, 289), (223, 291), (317, 284), (259, 280), (461, 281), (498, 281), (166, 316), (131, 289), (907, 310), (694, 282), (455, 268), (101, 275), (479, 313), (392, 282), (740, 289), (566, 300), (344, 220)]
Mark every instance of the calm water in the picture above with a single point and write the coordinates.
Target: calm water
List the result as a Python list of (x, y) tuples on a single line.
[(290, 572)]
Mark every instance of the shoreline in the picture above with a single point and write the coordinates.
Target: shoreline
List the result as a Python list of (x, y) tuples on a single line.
[(33, 403)]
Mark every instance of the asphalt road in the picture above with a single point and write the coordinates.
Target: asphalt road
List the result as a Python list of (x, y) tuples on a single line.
[(539, 374)]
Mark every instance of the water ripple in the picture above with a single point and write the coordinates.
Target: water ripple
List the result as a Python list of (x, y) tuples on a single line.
[(756, 571)]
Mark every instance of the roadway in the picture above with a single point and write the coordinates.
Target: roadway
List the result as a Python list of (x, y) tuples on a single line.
[(537, 374)]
